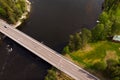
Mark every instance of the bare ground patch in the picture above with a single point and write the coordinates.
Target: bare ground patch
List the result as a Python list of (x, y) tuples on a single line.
[(111, 55)]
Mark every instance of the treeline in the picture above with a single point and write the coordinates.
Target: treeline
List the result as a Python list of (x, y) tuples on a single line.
[(11, 10), (110, 69), (55, 74), (108, 26), (51, 74), (110, 4), (78, 40), (113, 69)]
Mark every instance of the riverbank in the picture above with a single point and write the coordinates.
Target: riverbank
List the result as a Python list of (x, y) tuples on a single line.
[(100, 56), (24, 16), (55, 74)]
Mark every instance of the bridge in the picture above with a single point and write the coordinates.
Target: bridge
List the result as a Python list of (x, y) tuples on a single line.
[(44, 52)]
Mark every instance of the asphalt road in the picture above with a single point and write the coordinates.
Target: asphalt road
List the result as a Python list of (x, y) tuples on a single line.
[(46, 53)]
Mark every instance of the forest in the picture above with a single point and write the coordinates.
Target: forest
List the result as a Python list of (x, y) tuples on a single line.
[(11, 10)]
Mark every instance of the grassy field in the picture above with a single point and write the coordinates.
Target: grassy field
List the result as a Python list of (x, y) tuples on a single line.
[(97, 52)]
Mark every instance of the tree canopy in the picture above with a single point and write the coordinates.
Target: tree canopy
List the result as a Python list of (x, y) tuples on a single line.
[(11, 10)]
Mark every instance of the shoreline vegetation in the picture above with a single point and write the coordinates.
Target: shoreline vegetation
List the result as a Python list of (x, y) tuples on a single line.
[(94, 49), (22, 17)]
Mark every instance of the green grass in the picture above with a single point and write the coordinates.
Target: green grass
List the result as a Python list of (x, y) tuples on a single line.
[(117, 12), (97, 52)]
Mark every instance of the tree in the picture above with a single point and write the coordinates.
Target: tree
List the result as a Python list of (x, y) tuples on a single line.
[(51, 75), (104, 17), (115, 29), (113, 69), (11, 10), (110, 4), (71, 43), (98, 33), (85, 36), (75, 42), (2, 11), (100, 66), (66, 50), (79, 40)]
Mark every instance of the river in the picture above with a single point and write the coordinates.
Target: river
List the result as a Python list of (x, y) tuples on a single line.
[(50, 22)]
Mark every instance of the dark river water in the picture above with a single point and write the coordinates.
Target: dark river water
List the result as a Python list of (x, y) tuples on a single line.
[(50, 22)]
